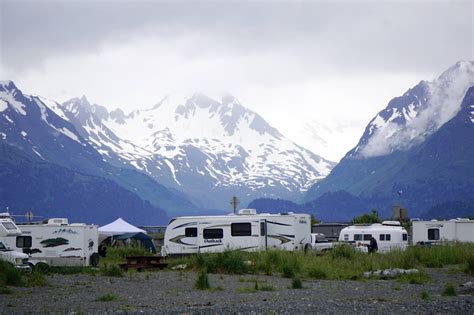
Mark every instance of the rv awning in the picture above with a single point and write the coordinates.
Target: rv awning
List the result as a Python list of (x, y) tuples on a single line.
[(118, 227)]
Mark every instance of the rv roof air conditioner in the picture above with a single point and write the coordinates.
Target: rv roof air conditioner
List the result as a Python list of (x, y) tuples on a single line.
[(57, 221), (391, 223), (247, 211)]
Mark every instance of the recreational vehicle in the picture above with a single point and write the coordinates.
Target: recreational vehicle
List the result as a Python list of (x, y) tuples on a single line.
[(54, 242), (461, 230), (247, 231), (389, 235)]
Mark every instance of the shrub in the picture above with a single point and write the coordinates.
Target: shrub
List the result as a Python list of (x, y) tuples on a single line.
[(37, 279), (202, 282), (343, 251), (449, 290), (317, 272), (424, 295), (111, 271), (9, 275), (469, 268), (266, 287), (296, 284), (415, 278), (5, 290), (233, 262), (107, 298)]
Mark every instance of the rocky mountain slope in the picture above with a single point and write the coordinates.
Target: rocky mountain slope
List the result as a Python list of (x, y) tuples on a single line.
[(31, 129)]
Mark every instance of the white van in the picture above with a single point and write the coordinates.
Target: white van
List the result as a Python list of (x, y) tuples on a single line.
[(389, 235), (247, 231)]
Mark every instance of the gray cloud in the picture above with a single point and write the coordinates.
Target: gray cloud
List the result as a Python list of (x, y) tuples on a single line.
[(347, 36)]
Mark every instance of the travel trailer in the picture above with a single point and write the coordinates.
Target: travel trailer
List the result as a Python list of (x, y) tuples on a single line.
[(247, 231), (426, 232), (54, 241), (389, 235)]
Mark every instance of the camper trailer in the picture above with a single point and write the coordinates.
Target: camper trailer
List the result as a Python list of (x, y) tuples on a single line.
[(426, 232), (247, 231), (389, 235), (54, 241)]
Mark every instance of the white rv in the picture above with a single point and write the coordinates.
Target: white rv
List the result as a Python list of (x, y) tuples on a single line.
[(54, 242), (435, 231), (389, 235), (247, 231)]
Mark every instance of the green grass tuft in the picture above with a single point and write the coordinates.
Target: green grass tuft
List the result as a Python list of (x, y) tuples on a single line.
[(202, 282), (9, 275), (296, 283), (36, 279), (111, 271), (424, 295), (415, 278), (449, 290), (107, 298), (5, 290)]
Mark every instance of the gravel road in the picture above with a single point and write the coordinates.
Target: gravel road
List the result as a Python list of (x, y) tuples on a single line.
[(174, 292)]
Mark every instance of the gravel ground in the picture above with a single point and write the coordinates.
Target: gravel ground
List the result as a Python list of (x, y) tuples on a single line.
[(174, 292)]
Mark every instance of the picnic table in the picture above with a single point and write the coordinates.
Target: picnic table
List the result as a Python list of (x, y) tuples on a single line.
[(143, 262)]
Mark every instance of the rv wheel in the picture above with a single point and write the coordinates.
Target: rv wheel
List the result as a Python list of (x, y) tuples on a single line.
[(94, 259), (41, 267), (307, 248)]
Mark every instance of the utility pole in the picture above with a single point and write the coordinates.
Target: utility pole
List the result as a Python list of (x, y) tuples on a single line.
[(234, 202)]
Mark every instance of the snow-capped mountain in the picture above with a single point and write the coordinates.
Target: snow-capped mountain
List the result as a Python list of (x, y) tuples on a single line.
[(418, 151), (39, 133), (409, 119), (208, 149)]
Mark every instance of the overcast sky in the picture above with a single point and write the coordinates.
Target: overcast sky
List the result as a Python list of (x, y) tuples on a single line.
[(317, 71)]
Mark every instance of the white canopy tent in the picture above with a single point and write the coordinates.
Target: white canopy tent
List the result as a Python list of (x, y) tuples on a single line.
[(118, 227)]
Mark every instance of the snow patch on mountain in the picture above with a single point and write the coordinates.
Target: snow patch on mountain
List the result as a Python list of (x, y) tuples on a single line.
[(3, 105), (410, 125), (10, 99)]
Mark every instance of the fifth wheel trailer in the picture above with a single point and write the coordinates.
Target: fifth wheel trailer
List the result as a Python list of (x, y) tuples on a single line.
[(434, 231), (247, 231)]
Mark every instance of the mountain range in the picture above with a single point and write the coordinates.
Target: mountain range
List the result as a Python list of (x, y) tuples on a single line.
[(182, 156), (417, 152), (190, 155)]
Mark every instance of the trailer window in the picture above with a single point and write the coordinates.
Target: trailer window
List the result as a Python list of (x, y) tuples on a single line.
[(9, 225), (433, 234), (367, 237), (23, 241), (357, 237), (241, 229), (191, 232), (262, 229), (388, 237), (382, 237), (346, 237), (213, 233), (405, 236)]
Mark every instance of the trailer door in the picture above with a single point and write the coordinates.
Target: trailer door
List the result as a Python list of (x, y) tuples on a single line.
[(263, 234)]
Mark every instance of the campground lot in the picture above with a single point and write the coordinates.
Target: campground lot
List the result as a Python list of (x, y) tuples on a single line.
[(175, 292)]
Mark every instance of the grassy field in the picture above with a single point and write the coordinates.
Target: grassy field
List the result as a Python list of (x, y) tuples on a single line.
[(341, 263)]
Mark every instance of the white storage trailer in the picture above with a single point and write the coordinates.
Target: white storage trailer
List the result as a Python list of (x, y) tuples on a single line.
[(247, 231), (54, 242), (389, 235), (434, 231)]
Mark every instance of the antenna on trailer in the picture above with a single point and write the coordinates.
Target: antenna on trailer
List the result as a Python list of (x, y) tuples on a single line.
[(234, 202)]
